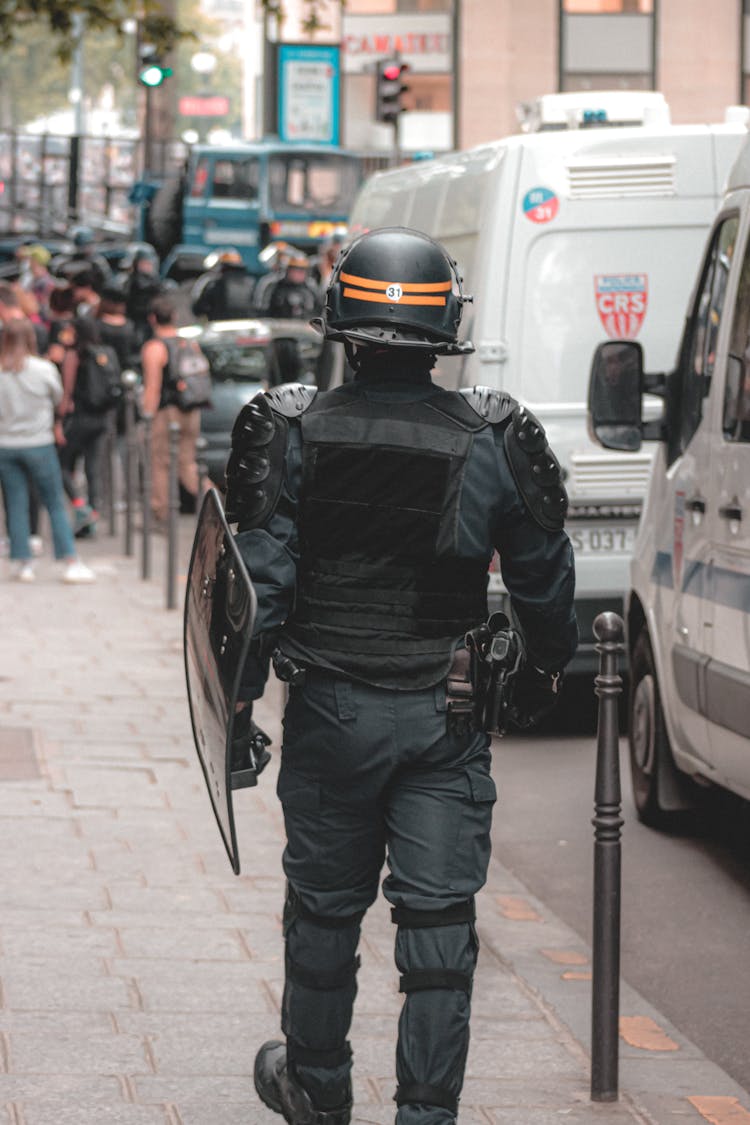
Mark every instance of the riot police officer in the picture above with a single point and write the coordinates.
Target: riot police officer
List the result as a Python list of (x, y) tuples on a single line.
[(368, 515), (225, 291)]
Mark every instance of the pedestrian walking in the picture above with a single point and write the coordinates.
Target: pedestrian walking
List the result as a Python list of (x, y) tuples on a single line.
[(163, 358), (91, 382), (30, 390), (141, 285), (368, 516)]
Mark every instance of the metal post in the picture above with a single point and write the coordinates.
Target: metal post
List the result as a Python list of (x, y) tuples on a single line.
[(200, 449), (607, 822), (174, 511), (148, 422), (130, 380), (110, 442)]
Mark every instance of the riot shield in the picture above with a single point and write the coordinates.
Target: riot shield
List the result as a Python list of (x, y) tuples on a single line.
[(220, 608)]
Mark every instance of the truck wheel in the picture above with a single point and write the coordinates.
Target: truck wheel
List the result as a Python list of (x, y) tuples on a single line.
[(650, 753)]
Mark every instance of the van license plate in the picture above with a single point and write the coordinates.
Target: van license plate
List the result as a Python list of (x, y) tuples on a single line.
[(602, 539)]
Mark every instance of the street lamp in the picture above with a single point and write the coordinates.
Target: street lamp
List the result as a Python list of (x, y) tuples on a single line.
[(204, 64)]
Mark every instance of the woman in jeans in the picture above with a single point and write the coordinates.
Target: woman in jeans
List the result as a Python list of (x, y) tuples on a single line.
[(30, 390)]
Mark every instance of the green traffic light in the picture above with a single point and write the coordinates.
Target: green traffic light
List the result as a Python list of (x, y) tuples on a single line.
[(154, 74)]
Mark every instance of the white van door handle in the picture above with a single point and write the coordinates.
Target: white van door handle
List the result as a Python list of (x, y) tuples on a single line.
[(731, 512), (696, 504)]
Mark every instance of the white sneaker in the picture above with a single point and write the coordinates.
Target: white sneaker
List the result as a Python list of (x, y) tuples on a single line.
[(24, 571), (78, 572), (37, 545)]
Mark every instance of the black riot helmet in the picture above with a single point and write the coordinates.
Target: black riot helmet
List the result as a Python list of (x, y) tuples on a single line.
[(395, 288)]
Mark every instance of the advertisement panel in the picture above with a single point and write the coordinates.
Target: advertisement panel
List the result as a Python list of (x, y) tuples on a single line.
[(309, 81)]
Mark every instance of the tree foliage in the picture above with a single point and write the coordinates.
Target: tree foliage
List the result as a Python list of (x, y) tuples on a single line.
[(59, 17), (35, 82)]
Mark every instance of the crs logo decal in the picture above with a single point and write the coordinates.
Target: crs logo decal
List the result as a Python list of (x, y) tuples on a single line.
[(621, 301), (394, 292), (540, 205)]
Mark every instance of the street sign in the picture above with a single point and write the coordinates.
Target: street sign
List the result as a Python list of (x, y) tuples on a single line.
[(203, 105)]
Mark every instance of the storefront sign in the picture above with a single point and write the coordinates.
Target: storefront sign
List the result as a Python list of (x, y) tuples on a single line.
[(423, 41)]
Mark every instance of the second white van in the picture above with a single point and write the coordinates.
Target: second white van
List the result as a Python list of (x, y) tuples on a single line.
[(563, 236)]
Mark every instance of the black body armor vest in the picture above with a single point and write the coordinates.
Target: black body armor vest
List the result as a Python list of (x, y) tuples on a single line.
[(382, 593)]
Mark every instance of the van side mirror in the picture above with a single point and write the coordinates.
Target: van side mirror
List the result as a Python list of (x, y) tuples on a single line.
[(615, 393)]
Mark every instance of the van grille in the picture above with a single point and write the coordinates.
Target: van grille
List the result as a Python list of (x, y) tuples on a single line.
[(605, 178), (600, 477)]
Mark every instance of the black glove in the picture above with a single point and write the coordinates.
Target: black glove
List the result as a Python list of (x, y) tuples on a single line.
[(535, 695), (249, 754)]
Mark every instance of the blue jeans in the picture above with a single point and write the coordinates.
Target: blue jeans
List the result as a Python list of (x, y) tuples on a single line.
[(39, 464)]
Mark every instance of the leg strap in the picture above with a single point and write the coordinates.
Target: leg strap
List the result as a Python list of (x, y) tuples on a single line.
[(426, 919), (327, 1060), (420, 1094), (323, 980), (419, 980)]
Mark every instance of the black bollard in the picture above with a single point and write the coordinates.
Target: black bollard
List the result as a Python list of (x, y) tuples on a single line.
[(605, 990), (130, 381), (148, 423), (174, 512), (110, 477)]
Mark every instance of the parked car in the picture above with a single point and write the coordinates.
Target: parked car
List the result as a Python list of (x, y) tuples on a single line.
[(248, 356)]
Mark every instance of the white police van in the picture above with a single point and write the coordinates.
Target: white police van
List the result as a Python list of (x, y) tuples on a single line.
[(563, 234), (688, 611)]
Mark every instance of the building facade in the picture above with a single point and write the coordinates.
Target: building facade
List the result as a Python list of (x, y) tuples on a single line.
[(473, 63)]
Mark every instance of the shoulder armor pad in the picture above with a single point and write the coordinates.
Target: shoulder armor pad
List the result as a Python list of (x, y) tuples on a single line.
[(490, 405), (291, 399), (536, 470), (255, 470)]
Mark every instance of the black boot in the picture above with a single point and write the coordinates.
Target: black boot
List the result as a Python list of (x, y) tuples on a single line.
[(281, 1092)]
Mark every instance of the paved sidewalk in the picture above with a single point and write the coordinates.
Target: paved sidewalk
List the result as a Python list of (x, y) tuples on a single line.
[(138, 975)]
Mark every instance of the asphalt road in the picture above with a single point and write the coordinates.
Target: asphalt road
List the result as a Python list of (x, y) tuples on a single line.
[(685, 899)]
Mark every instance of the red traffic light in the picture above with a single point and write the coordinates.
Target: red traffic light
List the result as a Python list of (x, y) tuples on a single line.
[(392, 72)]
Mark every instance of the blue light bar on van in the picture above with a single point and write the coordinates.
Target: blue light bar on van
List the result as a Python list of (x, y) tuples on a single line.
[(594, 117)]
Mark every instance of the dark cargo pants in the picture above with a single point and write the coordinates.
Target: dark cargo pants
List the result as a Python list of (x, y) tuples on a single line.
[(369, 775)]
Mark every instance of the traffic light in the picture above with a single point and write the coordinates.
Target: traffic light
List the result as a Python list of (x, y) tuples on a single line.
[(151, 70), (389, 89)]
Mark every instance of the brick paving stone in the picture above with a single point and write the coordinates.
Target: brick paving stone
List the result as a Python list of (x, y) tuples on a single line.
[(54, 1111), (34, 987), (68, 1052)]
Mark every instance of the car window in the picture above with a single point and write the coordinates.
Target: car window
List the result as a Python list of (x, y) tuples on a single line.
[(239, 359), (699, 354), (236, 179), (736, 414)]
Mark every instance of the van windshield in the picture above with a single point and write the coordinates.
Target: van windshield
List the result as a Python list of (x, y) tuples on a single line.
[(302, 183)]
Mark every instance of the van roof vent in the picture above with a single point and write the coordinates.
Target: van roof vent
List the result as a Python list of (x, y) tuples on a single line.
[(608, 177)]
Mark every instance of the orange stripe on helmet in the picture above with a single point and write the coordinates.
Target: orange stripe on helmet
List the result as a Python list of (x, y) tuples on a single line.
[(406, 286), (362, 295)]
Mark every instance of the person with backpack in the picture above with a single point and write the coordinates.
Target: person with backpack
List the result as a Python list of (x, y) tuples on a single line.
[(30, 392), (92, 390), (176, 384)]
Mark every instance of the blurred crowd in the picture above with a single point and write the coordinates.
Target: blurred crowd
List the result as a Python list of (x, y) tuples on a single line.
[(70, 324)]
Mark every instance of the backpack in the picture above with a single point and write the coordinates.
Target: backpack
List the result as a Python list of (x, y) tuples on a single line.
[(98, 384), (189, 375)]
